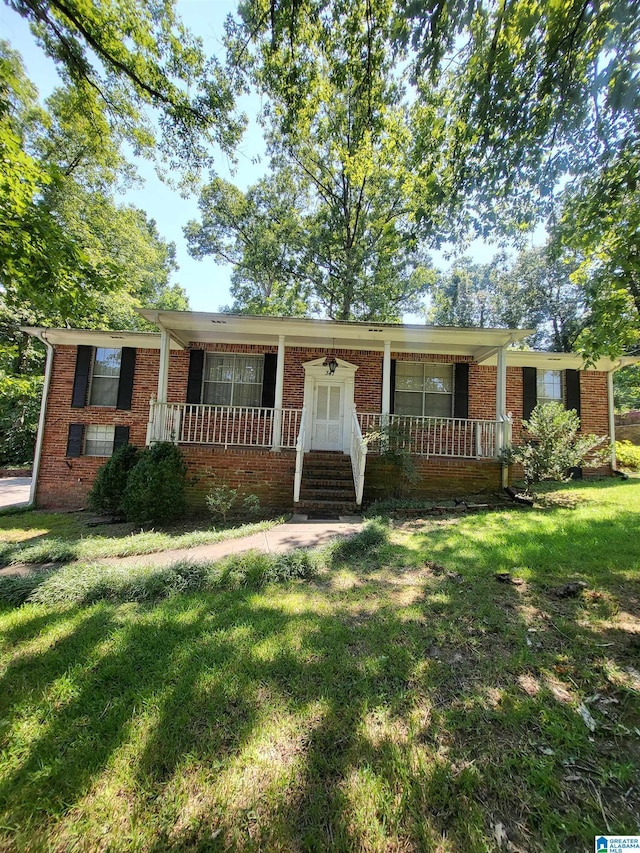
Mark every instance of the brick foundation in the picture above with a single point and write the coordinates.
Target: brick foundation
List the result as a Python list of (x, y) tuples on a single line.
[(439, 477), (255, 472)]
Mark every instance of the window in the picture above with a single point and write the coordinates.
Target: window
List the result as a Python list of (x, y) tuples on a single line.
[(424, 389), (98, 440), (549, 386), (232, 380), (105, 377)]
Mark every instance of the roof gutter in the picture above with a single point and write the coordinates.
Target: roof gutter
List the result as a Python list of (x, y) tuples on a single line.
[(40, 334)]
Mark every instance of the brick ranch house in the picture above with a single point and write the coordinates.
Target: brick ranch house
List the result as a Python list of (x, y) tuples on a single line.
[(282, 406)]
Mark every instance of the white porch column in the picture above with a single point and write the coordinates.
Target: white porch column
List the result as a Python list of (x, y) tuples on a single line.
[(163, 372), (501, 407), (277, 419), (386, 381)]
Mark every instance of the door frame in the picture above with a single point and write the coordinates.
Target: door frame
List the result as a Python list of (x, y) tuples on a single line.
[(316, 371)]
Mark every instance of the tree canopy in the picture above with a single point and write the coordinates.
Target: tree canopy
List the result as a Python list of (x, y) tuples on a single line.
[(422, 123), (137, 63)]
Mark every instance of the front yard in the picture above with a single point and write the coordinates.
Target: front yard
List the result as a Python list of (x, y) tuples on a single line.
[(400, 699)]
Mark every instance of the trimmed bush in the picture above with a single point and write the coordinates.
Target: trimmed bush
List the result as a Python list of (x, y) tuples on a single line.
[(155, 492), (111, 481), (628, 455)]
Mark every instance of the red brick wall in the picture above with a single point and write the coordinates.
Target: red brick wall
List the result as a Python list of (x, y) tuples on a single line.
[(259, 472), (438, 477), (66, 482)]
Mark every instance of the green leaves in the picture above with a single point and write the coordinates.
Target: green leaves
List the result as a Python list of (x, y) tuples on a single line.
[(148, 71)]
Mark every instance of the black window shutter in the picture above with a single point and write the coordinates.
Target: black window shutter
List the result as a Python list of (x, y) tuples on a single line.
[(269, 380), (392, 390), (529, 391), (120, 437), (81, 378), (572, 386), (194, 382), (461, 390), (74, 440), (125, 385)]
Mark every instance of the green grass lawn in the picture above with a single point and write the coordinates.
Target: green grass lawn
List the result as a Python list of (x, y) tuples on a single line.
[(401, 699), (32, 536)]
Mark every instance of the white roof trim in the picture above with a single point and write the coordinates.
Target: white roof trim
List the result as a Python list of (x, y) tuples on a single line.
[(95, 337)]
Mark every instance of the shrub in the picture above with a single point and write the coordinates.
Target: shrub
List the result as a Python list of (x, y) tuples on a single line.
[(554, 445), (111, 481), (394, 443), (628, 455), (222, 499), (155, 492)]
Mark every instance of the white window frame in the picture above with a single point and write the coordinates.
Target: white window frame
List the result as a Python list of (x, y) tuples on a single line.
[(424, 393), (541, 398), (108, 436), (234, 383), (112, 377)]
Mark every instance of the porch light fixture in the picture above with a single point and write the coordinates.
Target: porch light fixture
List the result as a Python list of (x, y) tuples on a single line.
[(330, 363)]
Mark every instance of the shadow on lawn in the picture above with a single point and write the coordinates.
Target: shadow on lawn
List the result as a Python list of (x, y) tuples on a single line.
[(329, 722)]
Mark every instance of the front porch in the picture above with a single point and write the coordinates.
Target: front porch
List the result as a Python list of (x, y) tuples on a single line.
[(370, 434)]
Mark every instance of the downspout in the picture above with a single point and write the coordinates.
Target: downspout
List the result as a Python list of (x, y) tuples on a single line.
[(43, 412), (612, 418)]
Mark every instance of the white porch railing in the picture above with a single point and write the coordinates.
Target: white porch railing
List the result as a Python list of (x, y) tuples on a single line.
[(244, 426), (297, 482), (459, 437), (358, 458)]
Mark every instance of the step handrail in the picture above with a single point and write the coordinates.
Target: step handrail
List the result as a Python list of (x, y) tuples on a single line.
[(297, 482), (358, 458)]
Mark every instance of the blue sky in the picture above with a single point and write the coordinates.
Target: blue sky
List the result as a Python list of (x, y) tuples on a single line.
[(206, 283)]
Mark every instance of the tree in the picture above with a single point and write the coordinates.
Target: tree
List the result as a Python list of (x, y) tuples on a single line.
[(626, 383), (335, 116), (600, 229), (512, 100), (262, 234), (533, 291), (127, 57), (67, 248)]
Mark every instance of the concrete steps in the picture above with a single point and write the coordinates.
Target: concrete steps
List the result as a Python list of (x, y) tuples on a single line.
[(327, 485)]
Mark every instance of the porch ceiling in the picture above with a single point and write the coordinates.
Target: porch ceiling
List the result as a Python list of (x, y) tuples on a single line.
[(187, 327)]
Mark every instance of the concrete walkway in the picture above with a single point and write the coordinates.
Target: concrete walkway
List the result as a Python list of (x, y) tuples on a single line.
[(14, 491), (295, 533)]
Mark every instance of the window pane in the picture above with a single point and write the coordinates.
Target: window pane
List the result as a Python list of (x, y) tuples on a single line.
[(246, 395), (107, 362), (218, 368), (104, 391), (249, 369), (99, 440), (408, 403), (409, 376), (217, 393), (438, 378), (437, 405), (549, 385)]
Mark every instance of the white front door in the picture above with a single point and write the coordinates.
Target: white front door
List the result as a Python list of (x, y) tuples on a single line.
[(328, 416)]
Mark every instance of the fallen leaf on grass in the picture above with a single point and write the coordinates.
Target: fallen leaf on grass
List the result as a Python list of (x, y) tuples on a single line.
[(588, 720)]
